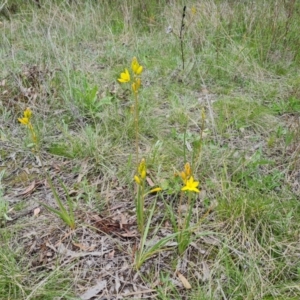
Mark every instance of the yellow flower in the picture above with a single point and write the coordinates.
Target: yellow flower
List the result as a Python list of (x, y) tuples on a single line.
[(183, 177), (136, 67), (157, 189), (137, 180), (193, 10), (27, 113), (187, 170), (136, 85), (124, 77), (186, 174), (142, 172), (142, 169), (191, 185), (24, 121)]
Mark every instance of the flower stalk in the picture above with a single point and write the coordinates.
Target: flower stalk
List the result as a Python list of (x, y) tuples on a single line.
[(140, 179), (135, 80), (181, 223), (26, 120)]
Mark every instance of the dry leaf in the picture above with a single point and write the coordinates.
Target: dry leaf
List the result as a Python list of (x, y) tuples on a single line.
[(188, 146), (56, 167), (150, 182), (63, 250), (94, 290), (80, 246), (29, 189), (32, 247), (36, 211), (116, 207), (111, 254), (184, 281), (123, 220), (129, 234), (206, 271), (117, 283)]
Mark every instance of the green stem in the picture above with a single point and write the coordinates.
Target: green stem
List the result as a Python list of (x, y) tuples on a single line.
[(140, 208), (136, 121)]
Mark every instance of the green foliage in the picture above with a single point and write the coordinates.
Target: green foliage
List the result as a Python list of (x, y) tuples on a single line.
[(167, 289), (290, 105), (65, 214), (238, 114), (147, 249), (3, 203), (11, 274), (87, 99)]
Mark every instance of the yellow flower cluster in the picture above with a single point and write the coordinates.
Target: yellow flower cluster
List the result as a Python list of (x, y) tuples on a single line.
[(142, 172), (137, 70), (26, 120), (188, 179), (141, 176)]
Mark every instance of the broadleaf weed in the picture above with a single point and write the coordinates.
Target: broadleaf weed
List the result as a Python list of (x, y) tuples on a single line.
[(87, 99)]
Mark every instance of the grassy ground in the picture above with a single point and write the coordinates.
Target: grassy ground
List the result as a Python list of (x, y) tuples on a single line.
[(241, 68)]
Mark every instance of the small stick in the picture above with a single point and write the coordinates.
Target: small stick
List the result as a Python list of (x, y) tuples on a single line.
[(181, 36)]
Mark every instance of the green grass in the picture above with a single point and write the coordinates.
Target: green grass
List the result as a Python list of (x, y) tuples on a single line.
[(241, 66)]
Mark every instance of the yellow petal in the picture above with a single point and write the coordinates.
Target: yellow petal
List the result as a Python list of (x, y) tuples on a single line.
[(136, 67), (138, 82), (142, 169), (139, 70), (137, 180), (124, 77), (143, 174), (183, 177), (191, 185), (134, 63), (136, 85), (157, 189), (187, 169), (24, 121), (27, 113), (191, 189)]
